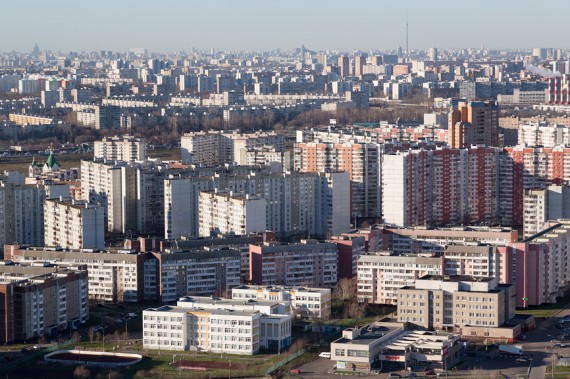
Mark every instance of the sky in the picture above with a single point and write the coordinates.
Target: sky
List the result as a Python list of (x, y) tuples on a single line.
[(175, 25)]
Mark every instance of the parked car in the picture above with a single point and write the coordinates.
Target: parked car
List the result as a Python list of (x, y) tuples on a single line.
[(394, 375), (523, 359), (430, 373), (325, 354)]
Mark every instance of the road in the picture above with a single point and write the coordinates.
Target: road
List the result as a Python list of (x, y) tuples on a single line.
[(538, 344)]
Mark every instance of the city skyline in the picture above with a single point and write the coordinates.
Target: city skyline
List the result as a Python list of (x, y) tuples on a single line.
[(225, 25)]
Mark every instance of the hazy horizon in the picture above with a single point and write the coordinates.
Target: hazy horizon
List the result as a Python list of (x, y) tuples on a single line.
[(256, 25)]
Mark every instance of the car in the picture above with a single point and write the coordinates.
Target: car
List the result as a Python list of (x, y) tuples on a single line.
[(430, 372), (325, 354), (131, 314), (561, 345), (394, 375), (442, 374), (523, 359), (412, 375)]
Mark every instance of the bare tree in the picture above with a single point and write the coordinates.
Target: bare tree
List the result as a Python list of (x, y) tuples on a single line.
[(76, 337), (81, 372), (91, 333), (355, 309), (345, 289)]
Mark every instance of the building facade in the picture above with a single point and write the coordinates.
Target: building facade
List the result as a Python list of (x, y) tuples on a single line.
[(73, 224)]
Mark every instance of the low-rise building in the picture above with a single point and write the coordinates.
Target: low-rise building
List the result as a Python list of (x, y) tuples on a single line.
[(217, 325), (305, 302), (451, 303)]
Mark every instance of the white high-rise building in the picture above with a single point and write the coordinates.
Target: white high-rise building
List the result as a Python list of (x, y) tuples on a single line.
[(542, 205), (113, 185), (298, 203), (74, 224), (225, 212), (21, 211), (125, 148)]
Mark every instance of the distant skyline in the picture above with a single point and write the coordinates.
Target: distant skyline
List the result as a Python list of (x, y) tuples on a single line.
[(174, 25)]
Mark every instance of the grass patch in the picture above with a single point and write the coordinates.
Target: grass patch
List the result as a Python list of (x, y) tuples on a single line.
[(544, 311)]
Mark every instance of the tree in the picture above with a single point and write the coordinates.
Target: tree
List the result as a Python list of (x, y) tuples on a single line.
[(345, 289), (81, 372), (355, 309), (91, 333), (76, 337)]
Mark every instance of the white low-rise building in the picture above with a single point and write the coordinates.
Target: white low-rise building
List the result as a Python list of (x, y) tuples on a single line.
[(305, 302), (220, 326)]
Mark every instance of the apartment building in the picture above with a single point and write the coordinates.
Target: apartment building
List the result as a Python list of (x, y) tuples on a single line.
[(175, 273), (543, 134), (380, 276), (441, 187), (113, 185), (278, 160), (125, 148), (474, 123), (306, 302), (420, 239), (225, 213), (308, 263), (21, 211), (478, 261), (295, 203), (114, 276), (525, 168), (362, 162), (452, 302), (536, 265), (40, 300), (126, 276), (220, 147), (73, 224), (541, 205), (350, 248)]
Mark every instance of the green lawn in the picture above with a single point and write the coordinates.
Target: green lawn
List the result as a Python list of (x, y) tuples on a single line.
[(544, 311), (158, 364)]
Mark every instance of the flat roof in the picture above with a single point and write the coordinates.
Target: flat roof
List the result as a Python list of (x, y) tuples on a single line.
[(222, 301), (368, 335)]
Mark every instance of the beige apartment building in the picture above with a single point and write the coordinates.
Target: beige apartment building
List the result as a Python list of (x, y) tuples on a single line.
[(453, 302)]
